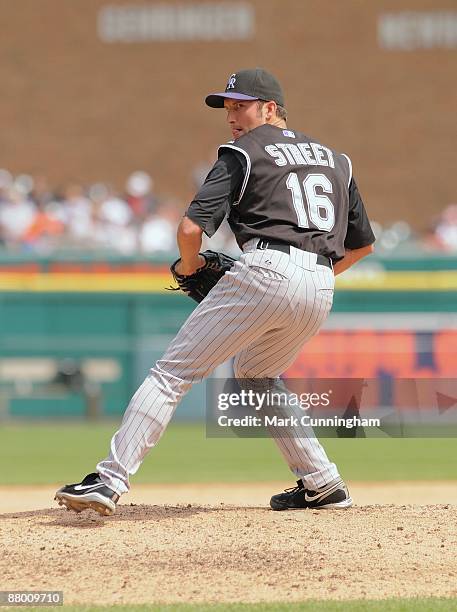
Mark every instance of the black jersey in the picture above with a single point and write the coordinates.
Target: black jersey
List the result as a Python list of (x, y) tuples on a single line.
[(285, 187)]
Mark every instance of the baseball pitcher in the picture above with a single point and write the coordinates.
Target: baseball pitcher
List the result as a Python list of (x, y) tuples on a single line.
[(296, 212)]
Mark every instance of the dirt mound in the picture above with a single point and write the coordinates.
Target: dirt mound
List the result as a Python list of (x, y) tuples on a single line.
[(199, 553), (18, 497)]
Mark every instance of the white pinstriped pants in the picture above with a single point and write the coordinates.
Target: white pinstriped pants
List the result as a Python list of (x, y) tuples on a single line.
[(261, 312)]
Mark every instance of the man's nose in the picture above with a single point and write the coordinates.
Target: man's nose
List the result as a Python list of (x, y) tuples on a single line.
[(230, 116)]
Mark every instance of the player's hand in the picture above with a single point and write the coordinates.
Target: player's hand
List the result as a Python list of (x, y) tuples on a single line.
[(186, 268), (200, 277)]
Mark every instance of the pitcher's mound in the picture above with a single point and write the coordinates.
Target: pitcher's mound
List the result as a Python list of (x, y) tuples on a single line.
[(225, 553)]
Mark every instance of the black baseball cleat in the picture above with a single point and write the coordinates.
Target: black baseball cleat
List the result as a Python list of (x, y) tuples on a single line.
[(333, 495), (89, 493)]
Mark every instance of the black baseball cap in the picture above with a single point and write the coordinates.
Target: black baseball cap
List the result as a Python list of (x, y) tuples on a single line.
[(252, 84)]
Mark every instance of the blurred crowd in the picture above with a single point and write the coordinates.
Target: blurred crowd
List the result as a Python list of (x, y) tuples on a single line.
[(37, 218), (439, 237), (34, 217), (442, 235)]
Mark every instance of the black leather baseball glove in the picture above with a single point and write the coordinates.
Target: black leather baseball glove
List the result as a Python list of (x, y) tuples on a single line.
[(199, 284)]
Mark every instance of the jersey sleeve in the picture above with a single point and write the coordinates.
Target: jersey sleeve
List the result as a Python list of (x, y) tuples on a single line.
[(359, 233), (218, 192)]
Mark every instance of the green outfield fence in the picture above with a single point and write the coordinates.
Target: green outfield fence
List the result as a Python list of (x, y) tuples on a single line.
[(82, 350)]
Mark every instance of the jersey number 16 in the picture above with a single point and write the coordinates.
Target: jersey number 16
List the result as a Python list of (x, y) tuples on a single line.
[(321, 211)]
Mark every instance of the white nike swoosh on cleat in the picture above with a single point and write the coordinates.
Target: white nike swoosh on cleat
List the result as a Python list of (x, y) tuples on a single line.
[(313, 497), (325, 493), (82, 487)]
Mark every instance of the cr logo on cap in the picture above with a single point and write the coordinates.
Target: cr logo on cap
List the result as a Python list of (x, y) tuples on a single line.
[(231, 82)]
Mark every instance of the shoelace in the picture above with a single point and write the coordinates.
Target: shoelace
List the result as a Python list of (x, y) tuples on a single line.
[(298, 487)]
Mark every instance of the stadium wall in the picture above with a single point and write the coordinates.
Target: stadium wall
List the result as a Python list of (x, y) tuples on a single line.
[(92, 93), (108, 321)]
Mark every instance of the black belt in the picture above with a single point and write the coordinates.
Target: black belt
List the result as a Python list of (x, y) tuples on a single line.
[(285, 248)]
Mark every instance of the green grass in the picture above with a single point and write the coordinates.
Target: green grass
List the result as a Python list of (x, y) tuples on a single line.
[(386, 605), (52, 453)]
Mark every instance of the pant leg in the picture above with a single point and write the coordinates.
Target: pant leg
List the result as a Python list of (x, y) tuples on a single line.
[(242, 306), (271, 354)]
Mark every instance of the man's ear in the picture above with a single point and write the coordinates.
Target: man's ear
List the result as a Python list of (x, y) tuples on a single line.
[(271, 110)]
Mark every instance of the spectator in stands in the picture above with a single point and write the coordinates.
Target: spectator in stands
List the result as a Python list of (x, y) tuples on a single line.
[(113, 220), (158, 232), (140, 196), (445, 233), (17, 213), (77, 214), (43, 232), (40, 192)]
